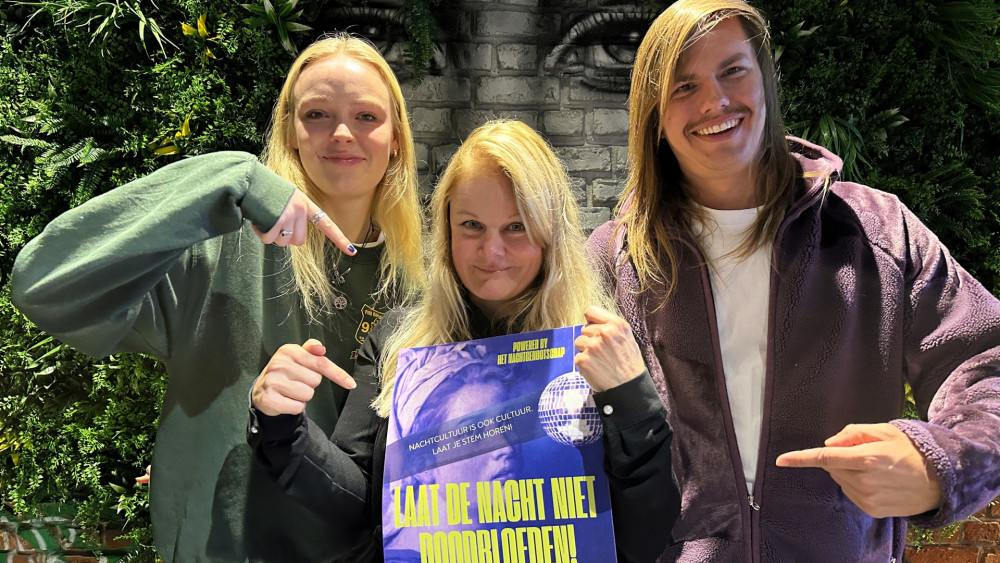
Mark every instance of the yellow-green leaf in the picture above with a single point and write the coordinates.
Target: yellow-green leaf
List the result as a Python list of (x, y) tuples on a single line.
[(202, 29), (187, 29), (169, 149), (158, 143)]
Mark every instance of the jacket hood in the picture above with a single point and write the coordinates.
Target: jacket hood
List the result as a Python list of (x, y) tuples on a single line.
[(820, 167)]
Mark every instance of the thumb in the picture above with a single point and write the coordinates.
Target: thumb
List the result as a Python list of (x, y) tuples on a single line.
[(314, 347)]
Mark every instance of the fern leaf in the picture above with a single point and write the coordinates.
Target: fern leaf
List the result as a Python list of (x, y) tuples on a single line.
[(89, 183), (67, 156), (24, 142)]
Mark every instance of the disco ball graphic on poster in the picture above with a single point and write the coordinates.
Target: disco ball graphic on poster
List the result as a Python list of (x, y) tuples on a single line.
[(567, 411)]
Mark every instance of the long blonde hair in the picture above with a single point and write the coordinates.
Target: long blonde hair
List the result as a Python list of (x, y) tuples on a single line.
[(566, 284), (395, 207), (655, 210)]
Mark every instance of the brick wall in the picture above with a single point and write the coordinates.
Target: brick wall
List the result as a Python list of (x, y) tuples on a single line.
[(531, 61), (976, 540)]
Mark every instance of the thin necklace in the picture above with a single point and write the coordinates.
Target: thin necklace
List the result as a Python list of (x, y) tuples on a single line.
[(340, 301)]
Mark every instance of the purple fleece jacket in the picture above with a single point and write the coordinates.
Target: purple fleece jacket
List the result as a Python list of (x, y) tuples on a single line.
[(863, 297)]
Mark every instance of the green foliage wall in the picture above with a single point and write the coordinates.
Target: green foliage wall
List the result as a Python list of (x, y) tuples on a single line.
[(75, 430), (910, 97), (78, 116)]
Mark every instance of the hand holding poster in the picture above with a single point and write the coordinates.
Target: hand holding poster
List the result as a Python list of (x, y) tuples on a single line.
[(494, 455)]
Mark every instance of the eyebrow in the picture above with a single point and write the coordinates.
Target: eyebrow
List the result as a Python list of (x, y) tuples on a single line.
[(726, 62), (471, 214), (363, 100)]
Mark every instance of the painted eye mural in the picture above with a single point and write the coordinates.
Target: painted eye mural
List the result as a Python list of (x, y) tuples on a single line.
[(383, 24), (596, 44), (600, 47)]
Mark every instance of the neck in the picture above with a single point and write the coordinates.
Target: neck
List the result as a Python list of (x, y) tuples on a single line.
[(722, 193), (484, 321), (488, 310), (352, 216)]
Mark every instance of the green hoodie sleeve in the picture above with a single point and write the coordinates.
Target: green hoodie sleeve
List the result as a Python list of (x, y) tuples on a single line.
[(102, 276)]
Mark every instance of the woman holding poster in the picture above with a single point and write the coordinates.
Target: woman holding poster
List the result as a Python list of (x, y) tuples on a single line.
[(506, 257)]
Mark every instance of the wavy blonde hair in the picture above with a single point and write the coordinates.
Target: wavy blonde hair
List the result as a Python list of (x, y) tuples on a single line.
[(655, 210), (395, 207), (566, 283)]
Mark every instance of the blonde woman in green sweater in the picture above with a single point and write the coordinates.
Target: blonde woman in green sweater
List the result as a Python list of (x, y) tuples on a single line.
[(221, 265)]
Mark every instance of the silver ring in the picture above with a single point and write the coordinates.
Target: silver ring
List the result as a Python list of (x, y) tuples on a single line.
[(285, 233), (317, 216)]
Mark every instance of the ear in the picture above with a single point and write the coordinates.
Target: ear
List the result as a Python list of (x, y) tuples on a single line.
[(293, 139), (395, 146)]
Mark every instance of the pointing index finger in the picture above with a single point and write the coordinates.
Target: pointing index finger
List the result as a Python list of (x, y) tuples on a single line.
[(335, 373), (825, 458), (325, 224)]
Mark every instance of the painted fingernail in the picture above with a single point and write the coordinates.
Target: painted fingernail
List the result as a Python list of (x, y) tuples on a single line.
[(352, 249)]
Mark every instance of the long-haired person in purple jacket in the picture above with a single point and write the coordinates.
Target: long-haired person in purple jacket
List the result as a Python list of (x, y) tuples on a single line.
[(781, 311)]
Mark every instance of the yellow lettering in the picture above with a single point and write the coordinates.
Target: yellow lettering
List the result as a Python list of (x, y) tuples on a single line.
[(591, 496), (419, 508)]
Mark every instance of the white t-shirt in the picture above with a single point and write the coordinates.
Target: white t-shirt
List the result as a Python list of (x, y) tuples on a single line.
[(740, 291)]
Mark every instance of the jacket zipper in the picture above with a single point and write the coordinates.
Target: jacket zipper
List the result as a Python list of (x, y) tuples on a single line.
[(765, 431), (747, 531), (758, 487)]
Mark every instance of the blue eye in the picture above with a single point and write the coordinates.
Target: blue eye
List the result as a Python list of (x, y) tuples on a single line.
[(517, 227), (471, 224)]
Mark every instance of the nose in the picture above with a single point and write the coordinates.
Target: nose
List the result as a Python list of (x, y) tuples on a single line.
[(342, 133), (493, 245), (714, 97)]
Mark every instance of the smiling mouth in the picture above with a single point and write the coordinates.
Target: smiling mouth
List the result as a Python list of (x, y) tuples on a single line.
[(720, 128)]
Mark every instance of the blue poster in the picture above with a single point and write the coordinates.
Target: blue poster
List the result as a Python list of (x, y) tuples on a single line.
[(494, 455)]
